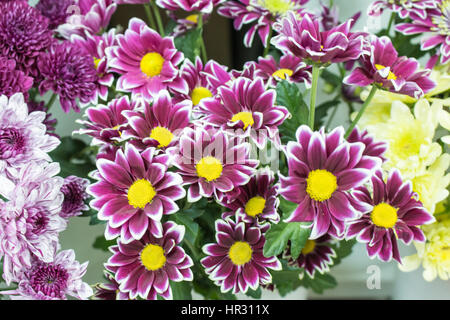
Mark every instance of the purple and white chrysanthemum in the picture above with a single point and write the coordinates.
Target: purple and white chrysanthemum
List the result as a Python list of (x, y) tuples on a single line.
[(373, 148), (212, 163), (384, 68), (247, 107), (74, 191), (390, 212), (92, 16), (316, 255), (256, 200), (68, 72), (13, 80), (134, 191), (262, 13), (95, 46), (109, 290), (57, 11), (303, 38), (436, 27), (323, 169), (290, 68), (202, 6), (24, 34), (53, 280), (236, 261), (144, 267), (185, 23), (403, 7), (30, 220), (105, 123), (49, 121), (147, 63), (23, 136), (160, 125)]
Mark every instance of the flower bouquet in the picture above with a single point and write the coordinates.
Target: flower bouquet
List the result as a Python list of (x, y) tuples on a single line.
[(216, 181)]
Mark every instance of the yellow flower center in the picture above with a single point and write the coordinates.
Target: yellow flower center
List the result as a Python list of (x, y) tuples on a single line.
[(193, 18), (140, 193), (162, 135), (97, 62), (209, 168), (282, 73), (245, 117), (321, 184), (384, 215), (240, 253), (200, 93), (391, 75), (309, 247), (152, 257), (152, 64), (255, 206), (277, 7)]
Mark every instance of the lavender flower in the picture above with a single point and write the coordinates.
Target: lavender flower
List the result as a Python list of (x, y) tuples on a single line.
[(74, 190)]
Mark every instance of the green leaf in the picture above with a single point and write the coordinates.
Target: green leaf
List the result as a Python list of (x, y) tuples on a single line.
[(102, 244), (298, 241), (181, 290), (279, 234), (343, 249), (331, 78), (256, 294), (189, 43), (287, 207), (191, 226), (322, 110), (320, 282)]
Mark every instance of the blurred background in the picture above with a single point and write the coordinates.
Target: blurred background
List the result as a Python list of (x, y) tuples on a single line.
[(225, 46)]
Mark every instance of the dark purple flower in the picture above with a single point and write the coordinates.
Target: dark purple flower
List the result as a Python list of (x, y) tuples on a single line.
[(24, 34), (384, 68), (372, 149), (110, 290), (57, 11), (390, 212), (69, 73), (74, 190), (13, 80), (303, 38)]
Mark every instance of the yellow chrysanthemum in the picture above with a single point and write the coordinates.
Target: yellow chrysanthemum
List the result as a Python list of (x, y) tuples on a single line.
[(433, 255), (409, 137), (432, 185), (444, 121)]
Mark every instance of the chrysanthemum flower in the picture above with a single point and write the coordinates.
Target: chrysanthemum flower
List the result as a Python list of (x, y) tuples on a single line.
[(256, 200), (212, 163), (57, 11), (134, 191), (147, 63), (49, 121), (403, 7), (23, 136), (185, 23), (245, 106), (30, 220), (159, 125), (383, 67), (202, 6), (110, 290), (290, 68), (24, 34), (236, 262), (433, 254), (95, 46), (316, 255), (436, 26), (302, 38), (105, 123), (372, 148), (13, 80), (68, 72), (74, 191), (390, 213), (144, 267), (323, 169), (92, 16), (53, 280), (263, 13)]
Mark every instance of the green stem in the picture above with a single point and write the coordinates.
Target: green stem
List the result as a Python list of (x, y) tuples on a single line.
[(148, 12), (202, 42), (158, 17), (312, 105), (391, 21), (266, 49), (51, 101), (361, 111), (193, 249)]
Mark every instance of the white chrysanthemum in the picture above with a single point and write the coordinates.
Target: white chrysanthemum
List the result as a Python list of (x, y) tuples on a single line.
[(434, 255)]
